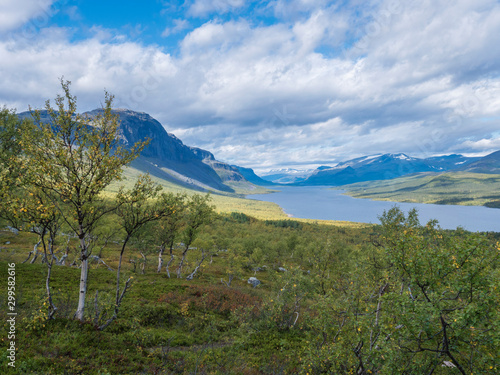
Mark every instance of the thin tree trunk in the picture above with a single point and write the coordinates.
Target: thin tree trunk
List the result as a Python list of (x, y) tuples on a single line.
[(52, 307), (143, 267), (171, 260), (181, 263), (119, 269), (83, 280), (160, 258), (35, 251), (119, 296), (203, 256)]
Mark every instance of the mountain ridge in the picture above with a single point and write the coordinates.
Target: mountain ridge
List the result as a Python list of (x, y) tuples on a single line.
[(383, 167), (166, 156)]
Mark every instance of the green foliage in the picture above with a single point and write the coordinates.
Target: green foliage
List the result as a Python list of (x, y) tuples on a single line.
[(199, 212), (339, 308), (72, 159), (284, 224), (442, 294), (439, 188), (69, 161), (239, 217)]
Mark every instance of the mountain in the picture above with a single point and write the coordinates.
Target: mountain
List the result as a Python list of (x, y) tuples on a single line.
[(287, 175), (250, 176), (383, 167), (450, 162), (489, 164), (166, 153), (166, 156)]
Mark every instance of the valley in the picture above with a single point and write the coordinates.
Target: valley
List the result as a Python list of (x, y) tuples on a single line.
[(126, 264)]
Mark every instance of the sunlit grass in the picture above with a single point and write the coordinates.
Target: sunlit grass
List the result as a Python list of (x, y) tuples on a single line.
[(469, 189)]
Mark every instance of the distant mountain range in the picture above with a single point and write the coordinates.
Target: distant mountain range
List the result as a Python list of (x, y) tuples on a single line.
[(287, 175), (166, 157), (384, 167)]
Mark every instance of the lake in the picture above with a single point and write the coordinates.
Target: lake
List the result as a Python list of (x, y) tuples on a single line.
[(323, 203)]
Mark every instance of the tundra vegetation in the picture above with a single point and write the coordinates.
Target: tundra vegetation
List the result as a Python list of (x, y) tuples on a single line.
[(401, 297)]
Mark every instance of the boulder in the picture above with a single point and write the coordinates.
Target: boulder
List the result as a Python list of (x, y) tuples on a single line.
[(254, 281)]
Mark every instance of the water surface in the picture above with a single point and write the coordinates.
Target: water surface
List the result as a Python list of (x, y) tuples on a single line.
[(323, 203)]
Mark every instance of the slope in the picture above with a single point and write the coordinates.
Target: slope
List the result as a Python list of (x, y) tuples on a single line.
[(462, 188)]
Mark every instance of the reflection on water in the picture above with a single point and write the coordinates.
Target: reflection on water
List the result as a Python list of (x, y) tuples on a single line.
[(322, 203)]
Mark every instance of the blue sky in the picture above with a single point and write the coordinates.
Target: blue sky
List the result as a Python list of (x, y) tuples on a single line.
[(271, 84)]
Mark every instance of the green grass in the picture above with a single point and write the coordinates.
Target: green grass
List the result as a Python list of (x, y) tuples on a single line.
[(174, 326), (469, 189), (166, 325)]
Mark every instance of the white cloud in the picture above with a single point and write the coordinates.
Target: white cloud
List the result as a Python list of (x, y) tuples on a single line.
[(421, 78), (204, 7), (15, 13), (179, 25), (489, 145)]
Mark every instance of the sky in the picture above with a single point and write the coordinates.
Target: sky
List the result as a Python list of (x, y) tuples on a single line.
[(271, 84)]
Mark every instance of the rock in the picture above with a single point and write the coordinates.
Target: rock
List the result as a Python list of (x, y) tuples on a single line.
[(260, 269), (281, 269), (13, 230), (7, 243), (254, 281)]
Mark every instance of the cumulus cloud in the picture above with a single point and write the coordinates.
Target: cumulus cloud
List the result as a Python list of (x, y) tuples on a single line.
[(15, 13), (205, 7), (324, 84), (179, 25)]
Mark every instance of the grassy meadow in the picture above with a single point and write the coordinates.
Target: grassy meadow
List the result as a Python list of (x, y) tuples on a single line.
[(317, 302), (166, 325)]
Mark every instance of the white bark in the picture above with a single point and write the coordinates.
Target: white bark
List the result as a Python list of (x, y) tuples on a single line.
[(80, 311), (191, 275), (35, 251), (160, 259)]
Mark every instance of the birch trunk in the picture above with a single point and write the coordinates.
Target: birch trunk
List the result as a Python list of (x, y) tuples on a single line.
[(160, 258), (181, 263), (203, 256), (170, 261), (52, 307), (35, 252), (83, 280), (143, 266)]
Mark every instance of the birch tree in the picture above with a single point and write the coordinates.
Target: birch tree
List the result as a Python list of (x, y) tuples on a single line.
[(167, 229), (199, 212), (73, 159), (137, 207), (12, 177)]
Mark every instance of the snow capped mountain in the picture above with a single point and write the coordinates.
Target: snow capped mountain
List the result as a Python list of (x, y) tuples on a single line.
[(287, 175), (382, 167)]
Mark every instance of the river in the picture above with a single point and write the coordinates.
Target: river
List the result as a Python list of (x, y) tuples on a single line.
[(323, 203)]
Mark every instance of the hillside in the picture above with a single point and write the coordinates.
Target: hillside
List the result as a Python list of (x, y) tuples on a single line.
[(250, 175), (489, 164), (463, 188)]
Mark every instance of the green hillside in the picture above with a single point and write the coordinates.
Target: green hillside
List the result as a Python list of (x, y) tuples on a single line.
[(470, 189), (224, 202)]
